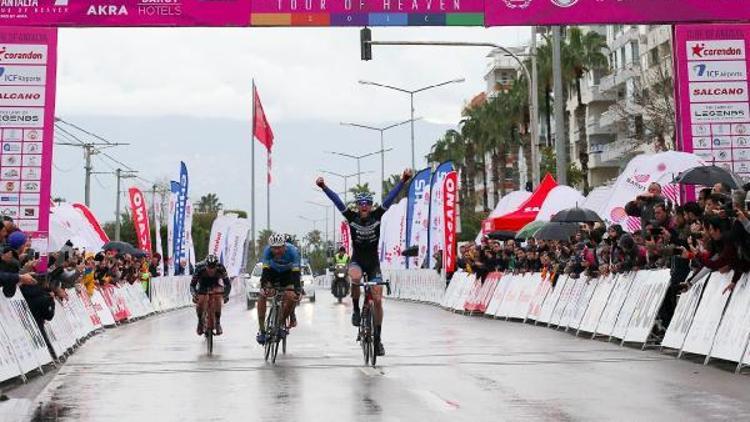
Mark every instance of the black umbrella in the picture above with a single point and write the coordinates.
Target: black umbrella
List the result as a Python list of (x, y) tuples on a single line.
[(709, 176), (123, 247), (411, 251), (502, 235), (576, 215), (556, 231)]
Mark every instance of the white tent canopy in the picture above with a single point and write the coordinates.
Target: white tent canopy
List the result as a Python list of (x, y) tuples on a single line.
[(558, 199), (506, 205), (68, 223), (598, 199)]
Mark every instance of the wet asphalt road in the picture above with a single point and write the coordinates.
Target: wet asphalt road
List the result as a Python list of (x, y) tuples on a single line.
[(440, 367)]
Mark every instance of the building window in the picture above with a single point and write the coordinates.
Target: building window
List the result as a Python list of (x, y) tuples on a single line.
[(654, 55), (623, 57)]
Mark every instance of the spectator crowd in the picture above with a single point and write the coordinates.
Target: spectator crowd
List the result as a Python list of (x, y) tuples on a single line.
[(711, 232), (70, 267)]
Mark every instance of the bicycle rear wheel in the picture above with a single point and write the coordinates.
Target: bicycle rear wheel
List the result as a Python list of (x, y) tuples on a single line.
[(373, 353), (366, 336), (270, 332), (208, 330)]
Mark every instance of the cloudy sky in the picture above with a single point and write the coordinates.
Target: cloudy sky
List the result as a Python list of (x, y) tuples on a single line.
[(184, 94)]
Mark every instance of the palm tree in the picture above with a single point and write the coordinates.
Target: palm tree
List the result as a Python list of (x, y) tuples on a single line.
[(209, 203)]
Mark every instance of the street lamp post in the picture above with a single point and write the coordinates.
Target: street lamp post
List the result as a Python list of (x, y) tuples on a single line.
[(533, 98), (345, 177), (358, 158), (382, 131), (326, 208), (411, 102)]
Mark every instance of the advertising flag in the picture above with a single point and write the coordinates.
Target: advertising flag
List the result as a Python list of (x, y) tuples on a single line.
[(174, 190), (418, 208), (157, 227), (450, 214), (180, 250), (437, 222), (140, 218)]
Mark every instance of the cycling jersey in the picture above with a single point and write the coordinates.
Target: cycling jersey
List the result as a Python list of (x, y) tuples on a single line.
[(289, 261), (202, 282)]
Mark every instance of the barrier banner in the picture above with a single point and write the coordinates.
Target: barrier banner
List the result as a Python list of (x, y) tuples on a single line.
[(616, 301), (18, 338), (574, 298), (102, 309), (140, 218), (590, 287), (597, 303), (35, 342), (504, 283), (702, 331), (115, 302), (650, 296), (28, 68), (687, 304), (417, 218), (472, 299), (539, 297), (527, 289), (488, 290), (510, 297), (566, 295), (734, 331), (712, 86), (550, 302), (629, 305), (436, 219), (462, 293)]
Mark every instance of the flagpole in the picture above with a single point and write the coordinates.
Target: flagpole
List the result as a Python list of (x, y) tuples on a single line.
[(252, 178), (268, 191)]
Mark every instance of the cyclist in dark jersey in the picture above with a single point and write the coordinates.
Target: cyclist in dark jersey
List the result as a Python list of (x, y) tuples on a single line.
[(364, 224)]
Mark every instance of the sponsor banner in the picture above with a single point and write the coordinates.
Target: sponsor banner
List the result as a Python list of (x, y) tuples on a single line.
[(734, 331), (362, 13), (436, 233), (174, 189), (717, 71), (417, 210), (450, 202), (156, 204), (219, 230), (140, 218), (566, 12), (700, 336), (705, 92), (346, 240), (180, 250), (27, 99), (14, 96), (713, 106)]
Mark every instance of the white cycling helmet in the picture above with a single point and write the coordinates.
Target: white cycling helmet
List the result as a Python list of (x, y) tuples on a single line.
[(277, 240)]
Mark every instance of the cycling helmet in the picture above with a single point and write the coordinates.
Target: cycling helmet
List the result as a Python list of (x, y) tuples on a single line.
[(277, 240), (212, 260), (364, 198)]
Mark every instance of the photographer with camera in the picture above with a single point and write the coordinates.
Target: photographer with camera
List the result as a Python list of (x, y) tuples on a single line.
[(643, 205)]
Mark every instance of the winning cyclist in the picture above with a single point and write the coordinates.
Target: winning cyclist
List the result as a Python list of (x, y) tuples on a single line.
[(281, 270), (365, 231), (210, 277)]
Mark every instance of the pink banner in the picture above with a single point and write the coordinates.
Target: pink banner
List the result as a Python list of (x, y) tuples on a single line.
[(569, 12), (28, 58), (450, 186), (712, 65), (362, 13), (140, 219), (345, 239)]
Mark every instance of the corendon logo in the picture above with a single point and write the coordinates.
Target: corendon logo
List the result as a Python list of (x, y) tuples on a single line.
[(449, 212), (140, 218), (27, 54), (700, 50)]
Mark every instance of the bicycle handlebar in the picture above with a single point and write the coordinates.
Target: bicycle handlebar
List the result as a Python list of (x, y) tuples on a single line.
[(387, 284)]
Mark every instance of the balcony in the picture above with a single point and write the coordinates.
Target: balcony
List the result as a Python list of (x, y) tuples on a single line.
[(594, 127), (630, 34), (592, 94), (612, 81), (609, 118), (658, 35), (609, 155)]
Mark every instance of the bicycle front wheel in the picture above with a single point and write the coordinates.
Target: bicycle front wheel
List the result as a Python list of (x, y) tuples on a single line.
[(209, 342)]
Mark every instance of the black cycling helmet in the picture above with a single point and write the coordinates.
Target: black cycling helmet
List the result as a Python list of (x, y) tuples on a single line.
[(212, 260)]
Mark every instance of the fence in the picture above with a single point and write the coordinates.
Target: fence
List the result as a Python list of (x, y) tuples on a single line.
[(708, 320), (22, 345)]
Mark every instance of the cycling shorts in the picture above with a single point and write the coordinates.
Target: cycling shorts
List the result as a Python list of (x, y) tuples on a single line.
[(280, 280), (371, 271)]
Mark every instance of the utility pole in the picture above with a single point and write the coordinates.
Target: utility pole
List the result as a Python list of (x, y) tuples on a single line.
[(534, 112), (120, 174), (89, 149), (560, 150)]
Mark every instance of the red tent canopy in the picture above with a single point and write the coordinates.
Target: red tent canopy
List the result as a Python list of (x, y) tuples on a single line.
[(525, 214)]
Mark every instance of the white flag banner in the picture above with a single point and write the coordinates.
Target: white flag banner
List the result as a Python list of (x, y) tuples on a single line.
[(219, 229), (437, 212), (393, 237), (156, 206), (189, 233), (640, 172), (235, 245)]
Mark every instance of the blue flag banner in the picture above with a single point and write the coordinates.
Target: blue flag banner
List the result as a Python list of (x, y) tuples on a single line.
[(417, 215), (436, 232), (180, 251)]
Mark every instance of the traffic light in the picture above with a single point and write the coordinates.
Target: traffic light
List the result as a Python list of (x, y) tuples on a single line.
[(365, 37)]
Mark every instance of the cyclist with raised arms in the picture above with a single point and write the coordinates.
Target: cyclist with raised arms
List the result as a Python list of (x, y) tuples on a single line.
[(210, 277), (281, 270), (365, 232)]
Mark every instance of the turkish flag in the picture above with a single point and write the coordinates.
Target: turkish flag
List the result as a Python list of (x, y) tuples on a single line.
[(261, 129)]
